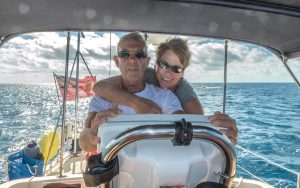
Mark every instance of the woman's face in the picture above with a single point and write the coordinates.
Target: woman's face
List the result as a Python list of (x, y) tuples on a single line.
[(165, 75)]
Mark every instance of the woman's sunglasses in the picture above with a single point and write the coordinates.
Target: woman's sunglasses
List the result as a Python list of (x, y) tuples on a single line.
[(138, 54), (164, 65)]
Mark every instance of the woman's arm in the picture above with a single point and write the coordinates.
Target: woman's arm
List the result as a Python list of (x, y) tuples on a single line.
[(110, 90), (193, 107), (188, 98)]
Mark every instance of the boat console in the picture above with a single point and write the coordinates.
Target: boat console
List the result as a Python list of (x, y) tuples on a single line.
[(161, 151)]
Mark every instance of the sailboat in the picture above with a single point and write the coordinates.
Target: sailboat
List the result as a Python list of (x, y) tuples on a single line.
[(272, 24)]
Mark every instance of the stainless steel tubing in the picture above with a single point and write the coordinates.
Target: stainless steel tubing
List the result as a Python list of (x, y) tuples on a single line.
[(168, 132)]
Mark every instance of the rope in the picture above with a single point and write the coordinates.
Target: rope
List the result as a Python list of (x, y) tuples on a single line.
[(267, 160), (35, 167)]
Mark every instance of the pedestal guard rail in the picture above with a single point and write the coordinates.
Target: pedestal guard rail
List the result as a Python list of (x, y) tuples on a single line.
[(168, 132)]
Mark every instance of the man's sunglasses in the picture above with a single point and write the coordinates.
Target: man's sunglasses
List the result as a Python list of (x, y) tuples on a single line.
[(164, 65), (138, 54)]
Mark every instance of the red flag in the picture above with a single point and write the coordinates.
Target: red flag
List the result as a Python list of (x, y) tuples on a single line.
[(85, 86)]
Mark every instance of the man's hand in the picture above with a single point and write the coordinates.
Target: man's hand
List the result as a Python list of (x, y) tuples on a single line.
[(88, 137), (101, 117), (145, 106), (229, 125)]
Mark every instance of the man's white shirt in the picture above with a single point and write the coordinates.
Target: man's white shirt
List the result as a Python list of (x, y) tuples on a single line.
[(164, 98)]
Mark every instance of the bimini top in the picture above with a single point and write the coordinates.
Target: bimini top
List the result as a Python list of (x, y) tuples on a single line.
[(271, 23)]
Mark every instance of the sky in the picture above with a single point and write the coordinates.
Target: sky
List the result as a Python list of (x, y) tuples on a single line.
[(33, 58)]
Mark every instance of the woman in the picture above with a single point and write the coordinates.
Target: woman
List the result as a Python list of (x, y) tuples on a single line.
[(173, 57)]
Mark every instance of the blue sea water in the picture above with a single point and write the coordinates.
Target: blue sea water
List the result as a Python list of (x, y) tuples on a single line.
[(267, 114)]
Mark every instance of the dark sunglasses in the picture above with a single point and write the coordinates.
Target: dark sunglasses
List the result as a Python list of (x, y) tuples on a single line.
[(164, 65), (138, 54)]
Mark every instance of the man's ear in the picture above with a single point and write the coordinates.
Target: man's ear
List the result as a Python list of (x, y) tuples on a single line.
[(116, 59)]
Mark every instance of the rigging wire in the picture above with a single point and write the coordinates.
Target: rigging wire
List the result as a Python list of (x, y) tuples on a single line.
[(109, 72), (267, 160), (76, 59), (76, 94), (55, 81), (57, 124), (225, 76)]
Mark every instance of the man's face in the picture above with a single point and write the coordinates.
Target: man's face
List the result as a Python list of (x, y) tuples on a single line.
[(132, 63)]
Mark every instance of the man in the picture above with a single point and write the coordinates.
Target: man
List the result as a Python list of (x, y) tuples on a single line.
[(132, 61)]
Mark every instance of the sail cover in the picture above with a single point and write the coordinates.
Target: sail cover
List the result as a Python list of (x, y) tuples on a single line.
[(85, 86)]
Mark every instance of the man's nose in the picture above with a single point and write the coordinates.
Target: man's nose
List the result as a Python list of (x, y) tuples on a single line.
[(132, 58)]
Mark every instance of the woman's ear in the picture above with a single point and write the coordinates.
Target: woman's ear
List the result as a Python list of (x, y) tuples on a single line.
[(116, 59)]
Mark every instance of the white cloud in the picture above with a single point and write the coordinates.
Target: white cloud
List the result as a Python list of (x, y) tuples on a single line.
[(246, 63), (27, 57), (40, 54)]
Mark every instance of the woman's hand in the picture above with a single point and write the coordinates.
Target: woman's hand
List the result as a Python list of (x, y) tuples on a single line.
[(224, 121)]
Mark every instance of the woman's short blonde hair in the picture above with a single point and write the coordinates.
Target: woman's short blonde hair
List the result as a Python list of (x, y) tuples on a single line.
[(179, 47)]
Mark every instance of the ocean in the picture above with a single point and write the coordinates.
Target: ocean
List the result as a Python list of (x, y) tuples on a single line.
[(267, 115)]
